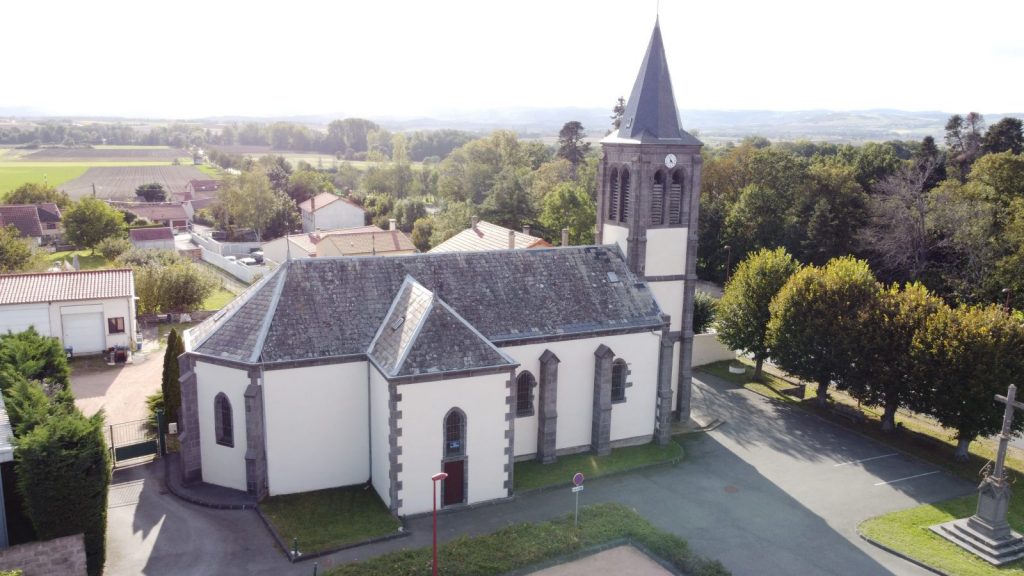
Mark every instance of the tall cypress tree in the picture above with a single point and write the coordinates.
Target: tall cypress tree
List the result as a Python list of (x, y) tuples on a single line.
[(170, 386)]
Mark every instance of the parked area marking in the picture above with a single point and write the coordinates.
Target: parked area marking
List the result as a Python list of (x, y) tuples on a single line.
[(866, 459), (907, 478)]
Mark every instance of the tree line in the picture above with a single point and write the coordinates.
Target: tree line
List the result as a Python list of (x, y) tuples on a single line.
[(888, 345), (951, 218)]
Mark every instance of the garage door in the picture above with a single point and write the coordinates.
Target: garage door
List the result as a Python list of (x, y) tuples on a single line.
[(83, 329), (19, 318)]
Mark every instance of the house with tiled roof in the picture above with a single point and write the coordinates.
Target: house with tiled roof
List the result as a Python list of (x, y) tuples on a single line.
[(34, 222), (170, 214), (358, 241), (383, 371), (154, 238), (327, 211), (89, 311), (483, 235)]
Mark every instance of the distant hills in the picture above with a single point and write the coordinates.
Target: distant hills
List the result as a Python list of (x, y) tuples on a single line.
[(712, 126)]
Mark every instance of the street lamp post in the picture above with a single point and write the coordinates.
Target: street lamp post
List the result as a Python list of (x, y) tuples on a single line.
[(435, 478), (1009, 296)]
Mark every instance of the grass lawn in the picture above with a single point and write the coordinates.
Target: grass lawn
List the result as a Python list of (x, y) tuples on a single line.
[(907, 531), (522, 545), (210, 171), (532, 474), (328, 519), (86, 259), (13, 175), (770, 386), (218, 299)]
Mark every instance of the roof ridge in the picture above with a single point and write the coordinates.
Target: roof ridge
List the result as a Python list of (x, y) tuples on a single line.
[(473, 329), (231, 309), (268, 319)]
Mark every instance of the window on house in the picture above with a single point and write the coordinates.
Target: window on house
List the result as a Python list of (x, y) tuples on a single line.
[(115, 325), (223, 424), (525, 383), (455, 434), (619, 372)]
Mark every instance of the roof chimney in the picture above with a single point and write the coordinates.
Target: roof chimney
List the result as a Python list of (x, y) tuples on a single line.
[(526, 229), (473, 221), (565, 236), (511, 239), (392, 224)]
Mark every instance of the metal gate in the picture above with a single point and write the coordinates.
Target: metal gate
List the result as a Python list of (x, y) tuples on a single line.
[(132, 440)]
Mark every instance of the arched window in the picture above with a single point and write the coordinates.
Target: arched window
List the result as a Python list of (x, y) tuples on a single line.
[(675, 199), (455, 434), (613, 195), (624, 196), (223, 424), (658, 199), (525, 383), (619, 373)]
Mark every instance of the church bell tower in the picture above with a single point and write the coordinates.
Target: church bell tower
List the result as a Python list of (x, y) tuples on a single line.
[(648, 203)]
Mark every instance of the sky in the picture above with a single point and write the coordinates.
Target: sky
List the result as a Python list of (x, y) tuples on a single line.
[(191, 59)]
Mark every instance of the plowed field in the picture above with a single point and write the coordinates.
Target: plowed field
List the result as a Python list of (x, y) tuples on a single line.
[(106, 154), (119, 183)]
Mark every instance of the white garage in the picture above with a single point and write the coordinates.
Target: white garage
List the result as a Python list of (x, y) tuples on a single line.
[(19, 318), (82, 328), (89, 311)]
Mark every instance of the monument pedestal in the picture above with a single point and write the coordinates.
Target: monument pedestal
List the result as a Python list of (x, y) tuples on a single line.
[(987, 534)]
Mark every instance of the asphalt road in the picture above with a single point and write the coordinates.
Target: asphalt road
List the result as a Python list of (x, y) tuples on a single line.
[(773, 490)]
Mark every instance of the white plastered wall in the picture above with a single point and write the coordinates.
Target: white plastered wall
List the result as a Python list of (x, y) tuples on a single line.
[(669, 296), (630, 419), (707, 348), (317, 427), (612, 234), (222, 465), (424, 406), (666, 252), (379, 431)]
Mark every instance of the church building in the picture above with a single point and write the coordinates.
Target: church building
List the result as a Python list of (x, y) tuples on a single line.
[(386, 370)]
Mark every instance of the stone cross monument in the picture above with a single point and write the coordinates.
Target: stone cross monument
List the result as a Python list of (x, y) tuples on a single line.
[(987, 533)]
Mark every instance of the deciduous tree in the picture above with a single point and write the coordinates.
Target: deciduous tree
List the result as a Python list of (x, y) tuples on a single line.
[(36, 193), (812, 331), (744, 309), (15, 253), (569, 206), (1004, 136), (90, 220)]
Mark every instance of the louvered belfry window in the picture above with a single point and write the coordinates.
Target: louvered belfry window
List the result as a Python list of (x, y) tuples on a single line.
[(624, 212), (658, 200), (675, 199), (613, 195)]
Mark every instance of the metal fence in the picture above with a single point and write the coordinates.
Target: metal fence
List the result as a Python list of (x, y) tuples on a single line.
[(132, 440)]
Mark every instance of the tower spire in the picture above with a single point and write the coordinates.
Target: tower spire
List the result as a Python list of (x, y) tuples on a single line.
[(651, 114)]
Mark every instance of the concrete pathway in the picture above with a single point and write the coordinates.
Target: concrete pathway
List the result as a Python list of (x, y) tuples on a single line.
[(119, 390), (774, 490), (613, 562)]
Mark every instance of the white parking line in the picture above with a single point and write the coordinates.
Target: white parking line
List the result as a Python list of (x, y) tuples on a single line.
[(907, 478), (866, 459)]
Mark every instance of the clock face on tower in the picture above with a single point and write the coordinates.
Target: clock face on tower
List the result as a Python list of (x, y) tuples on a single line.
[(670, 161)]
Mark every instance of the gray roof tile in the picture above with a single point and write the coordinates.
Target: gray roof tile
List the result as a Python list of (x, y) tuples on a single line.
[(331, 307)]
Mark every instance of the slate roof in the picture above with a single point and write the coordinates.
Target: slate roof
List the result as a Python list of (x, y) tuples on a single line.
[(324, 199), (24, 217), (150, 234), (361, 243), (63, 286), (422, 335), (486, 236), (334, 307), (651, 115)]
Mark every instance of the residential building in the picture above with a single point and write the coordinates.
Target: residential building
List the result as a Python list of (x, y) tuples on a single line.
[(482, 235), (161, 238), (328, 211)]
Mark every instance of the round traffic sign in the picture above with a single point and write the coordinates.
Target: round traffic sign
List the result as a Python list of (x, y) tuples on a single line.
[(577, 479)]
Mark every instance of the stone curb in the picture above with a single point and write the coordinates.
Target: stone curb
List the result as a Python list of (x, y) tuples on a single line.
[(198, 501), (899, 554), (319, 554)]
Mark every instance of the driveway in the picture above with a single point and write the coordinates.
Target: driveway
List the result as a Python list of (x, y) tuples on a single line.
[(119, 390), (773, 490)]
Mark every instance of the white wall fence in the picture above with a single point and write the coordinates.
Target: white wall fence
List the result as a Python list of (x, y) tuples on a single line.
[(225, 248), (708, 349), (247, 274)]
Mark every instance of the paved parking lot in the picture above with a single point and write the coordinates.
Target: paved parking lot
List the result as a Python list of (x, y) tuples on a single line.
[(119, 390), (773, 490)]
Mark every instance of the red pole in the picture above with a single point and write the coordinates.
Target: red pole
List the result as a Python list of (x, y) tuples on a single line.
[(435, 478)]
